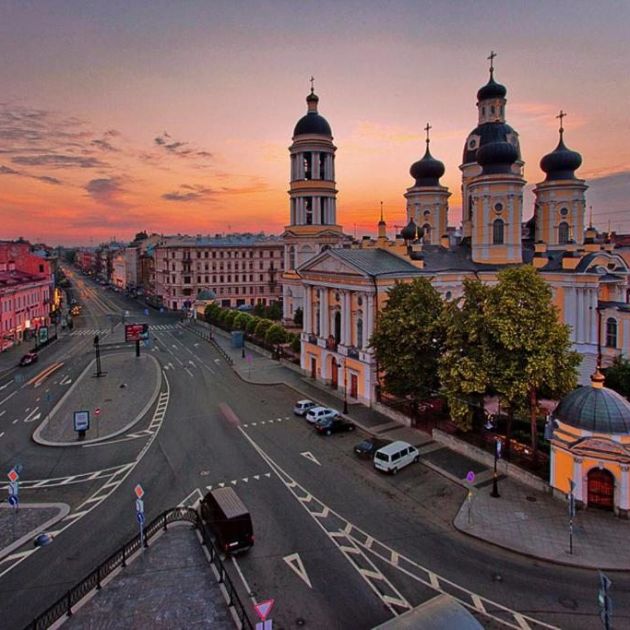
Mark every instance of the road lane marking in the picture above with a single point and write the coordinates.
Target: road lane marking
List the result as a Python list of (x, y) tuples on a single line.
[(351, 540), (245, 583), (31, 417), (189, 372), (308, 455), (2, 412), (8, 397), (295, 564)]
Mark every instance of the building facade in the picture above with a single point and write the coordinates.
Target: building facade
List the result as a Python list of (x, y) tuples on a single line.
[(239, 269), (345, 289)]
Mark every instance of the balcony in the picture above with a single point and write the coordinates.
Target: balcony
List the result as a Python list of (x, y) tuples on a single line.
[(312, 339)]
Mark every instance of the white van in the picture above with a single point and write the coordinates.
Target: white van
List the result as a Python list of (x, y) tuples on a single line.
[(394, 456)]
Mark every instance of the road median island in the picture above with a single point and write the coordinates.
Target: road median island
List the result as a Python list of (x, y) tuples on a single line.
[(115, 401)]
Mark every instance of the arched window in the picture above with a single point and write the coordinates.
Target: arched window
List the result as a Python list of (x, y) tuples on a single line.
[(611, 332), (308, 208), (308, 166), (317, 323), (292, 257), (359, 332), (338, 327), (563, 233), (497, 232), (427, 233)]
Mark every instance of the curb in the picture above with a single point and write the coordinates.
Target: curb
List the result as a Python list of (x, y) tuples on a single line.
[(64, 510), (36, 437), (526, 554)]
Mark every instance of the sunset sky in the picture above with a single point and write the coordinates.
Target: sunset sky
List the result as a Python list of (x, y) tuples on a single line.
[(118, 116)]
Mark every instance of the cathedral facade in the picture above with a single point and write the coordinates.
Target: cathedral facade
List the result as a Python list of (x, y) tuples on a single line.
[(342, 286)]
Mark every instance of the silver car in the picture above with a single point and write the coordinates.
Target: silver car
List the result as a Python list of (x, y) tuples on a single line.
[(302, 406), (319, 413)]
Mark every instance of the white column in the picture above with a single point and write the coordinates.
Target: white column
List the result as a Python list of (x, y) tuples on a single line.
[(300, 165), (308, 306), (324, 317), (347, 319), (577, 479), (370, 319), (317, 213), (624, 498)]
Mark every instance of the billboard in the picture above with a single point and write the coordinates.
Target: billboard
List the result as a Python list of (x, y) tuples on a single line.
[(136, 332)]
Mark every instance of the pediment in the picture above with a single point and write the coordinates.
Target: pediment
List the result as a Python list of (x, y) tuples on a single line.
[(601, 446), (327, 263)]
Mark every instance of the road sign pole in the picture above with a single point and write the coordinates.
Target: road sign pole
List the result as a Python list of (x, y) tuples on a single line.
[(138, 347)]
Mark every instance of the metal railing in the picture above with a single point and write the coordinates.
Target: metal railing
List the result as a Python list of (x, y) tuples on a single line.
[(64, 605)]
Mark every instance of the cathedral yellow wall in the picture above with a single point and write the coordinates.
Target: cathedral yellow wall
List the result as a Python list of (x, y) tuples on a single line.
[(563, 469)]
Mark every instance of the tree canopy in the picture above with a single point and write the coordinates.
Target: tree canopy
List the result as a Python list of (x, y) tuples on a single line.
[(407, 339)]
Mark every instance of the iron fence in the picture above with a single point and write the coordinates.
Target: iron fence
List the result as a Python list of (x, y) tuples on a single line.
[(93, 581)]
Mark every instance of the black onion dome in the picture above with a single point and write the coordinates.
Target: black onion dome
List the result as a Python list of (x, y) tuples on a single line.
[(409, 231), (492, 89), (596, 409), (497, 157), (487, 133), (312, 123), (561, 163), (427, 171)]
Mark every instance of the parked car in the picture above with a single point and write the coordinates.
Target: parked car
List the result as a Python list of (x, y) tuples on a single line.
[(394, 456), (319, 413), (367, 448), (28, 359), (302, 406), (327, 426)]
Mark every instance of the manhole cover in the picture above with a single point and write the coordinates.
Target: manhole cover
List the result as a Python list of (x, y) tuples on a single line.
[(300, 622), (497, 577), (568, 602), (532, 499)]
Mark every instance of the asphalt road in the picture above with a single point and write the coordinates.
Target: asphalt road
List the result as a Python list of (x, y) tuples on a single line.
[(368, 546)]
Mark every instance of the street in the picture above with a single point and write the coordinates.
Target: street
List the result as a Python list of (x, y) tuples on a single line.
[(338, 545)]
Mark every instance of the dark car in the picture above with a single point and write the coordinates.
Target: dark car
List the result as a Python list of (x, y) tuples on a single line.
[(227, 517), (333, 425), (367, 448), (28, 359)]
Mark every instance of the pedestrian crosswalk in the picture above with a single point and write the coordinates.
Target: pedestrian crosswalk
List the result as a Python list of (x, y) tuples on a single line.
[(90, 331), (164, 326)]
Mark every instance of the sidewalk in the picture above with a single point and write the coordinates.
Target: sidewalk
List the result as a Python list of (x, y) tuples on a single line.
[(122, 396), (168, 585), (522, 520)]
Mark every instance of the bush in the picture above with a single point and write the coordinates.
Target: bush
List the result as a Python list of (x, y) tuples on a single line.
[(275, 335), (251, 324), (211, 313), (241, 321), (262, 328), (229, 318), (298, 317), (296, 344)]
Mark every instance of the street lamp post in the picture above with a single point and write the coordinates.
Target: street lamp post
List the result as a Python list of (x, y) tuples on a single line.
[(495, 481), (97, 349)]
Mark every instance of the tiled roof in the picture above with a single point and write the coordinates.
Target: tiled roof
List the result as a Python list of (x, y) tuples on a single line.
[(376, 261)]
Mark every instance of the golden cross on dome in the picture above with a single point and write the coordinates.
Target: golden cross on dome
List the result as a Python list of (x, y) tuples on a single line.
[(312, 80), (381, 211), (427, 129), (491, 58), (561, 115)]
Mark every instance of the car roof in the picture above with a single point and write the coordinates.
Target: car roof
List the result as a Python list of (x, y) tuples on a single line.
[(305, 402), (394, 447), (317, 409)]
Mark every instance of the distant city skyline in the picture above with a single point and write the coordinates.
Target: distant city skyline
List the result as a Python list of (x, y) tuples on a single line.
[(176, 118)]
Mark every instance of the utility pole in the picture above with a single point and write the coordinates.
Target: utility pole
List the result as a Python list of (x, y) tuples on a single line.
[(345, 387), (571, 513), (495, 480), (97, 349), (604, 600)]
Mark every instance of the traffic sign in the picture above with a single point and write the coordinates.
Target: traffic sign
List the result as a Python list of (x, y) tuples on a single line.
[(140, 517), (97, 411), (139, 491), (13, 500), (14, 488), (264, 608), (470, 477), (81, 420), (146, 311), (13, 476), (139, 505)]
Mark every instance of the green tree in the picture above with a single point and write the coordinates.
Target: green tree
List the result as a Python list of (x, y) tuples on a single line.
[(251, 325), (531, 347), (211, 313), (408, 337), (275, 335), (618, 376), (241, 321), (466, 362), (296, 344), (228, 319), (274, 311), (262, 327), (298, 317)]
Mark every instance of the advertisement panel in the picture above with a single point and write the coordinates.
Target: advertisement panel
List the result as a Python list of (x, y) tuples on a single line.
[(136, 332)]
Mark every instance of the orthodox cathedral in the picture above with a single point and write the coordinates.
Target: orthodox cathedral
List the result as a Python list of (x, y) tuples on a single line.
[(341, 284)]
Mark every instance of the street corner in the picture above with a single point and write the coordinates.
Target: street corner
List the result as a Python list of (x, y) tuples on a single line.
[(22, 523), (101, 405)]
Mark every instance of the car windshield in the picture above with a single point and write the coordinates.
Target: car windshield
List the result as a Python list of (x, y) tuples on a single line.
[(382, 457)]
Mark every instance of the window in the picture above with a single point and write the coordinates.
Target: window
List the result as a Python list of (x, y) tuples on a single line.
[(563, 233), (564, 211), (497, 232), (308, 161), (359, 333), (498, 207), (337, 327), (308, 208), (186, 279), (611, 332)]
